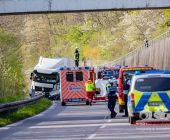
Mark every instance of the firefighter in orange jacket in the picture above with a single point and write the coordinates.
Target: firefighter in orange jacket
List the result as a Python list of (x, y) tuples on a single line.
[(89, 90)]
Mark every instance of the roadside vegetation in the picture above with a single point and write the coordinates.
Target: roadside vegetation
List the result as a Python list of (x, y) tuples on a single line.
[(25, 112), (100, 36), (12, 78), (8, 99)]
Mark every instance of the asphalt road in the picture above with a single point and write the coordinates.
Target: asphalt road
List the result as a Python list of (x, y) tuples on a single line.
[(81, 122)]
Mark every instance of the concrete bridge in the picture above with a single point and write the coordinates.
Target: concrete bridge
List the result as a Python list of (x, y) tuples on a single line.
[(50, 6)]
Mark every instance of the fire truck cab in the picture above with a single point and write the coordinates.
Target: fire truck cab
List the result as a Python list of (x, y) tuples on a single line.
[(72, 84), (131, 72), (106, 73)]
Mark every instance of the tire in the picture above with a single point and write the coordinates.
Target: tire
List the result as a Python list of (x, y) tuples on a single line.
[(121, 110), (87, 102), (132, 120), (63, 103)]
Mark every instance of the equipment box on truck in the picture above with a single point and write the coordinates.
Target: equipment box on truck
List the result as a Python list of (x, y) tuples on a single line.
[(72, 83)]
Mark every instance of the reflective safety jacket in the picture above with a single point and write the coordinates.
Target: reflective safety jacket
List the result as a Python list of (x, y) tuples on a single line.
[(107, 85), (89, 85)]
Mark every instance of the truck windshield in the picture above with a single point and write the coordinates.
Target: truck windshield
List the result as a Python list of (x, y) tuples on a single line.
[(44, 78), (109, 73), (152, 84)]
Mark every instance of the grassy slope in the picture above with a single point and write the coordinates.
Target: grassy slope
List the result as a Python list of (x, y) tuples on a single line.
[(8, 99), (25, 112)]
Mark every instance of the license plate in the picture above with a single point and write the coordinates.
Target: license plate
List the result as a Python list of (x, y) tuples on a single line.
[(155, 104), (75, 100)]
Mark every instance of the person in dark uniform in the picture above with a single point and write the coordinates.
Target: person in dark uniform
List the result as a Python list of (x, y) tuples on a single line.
[(76, 57), (126, 87), (111, 94)]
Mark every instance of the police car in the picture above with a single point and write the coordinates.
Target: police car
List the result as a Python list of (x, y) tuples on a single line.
[(149, 95)]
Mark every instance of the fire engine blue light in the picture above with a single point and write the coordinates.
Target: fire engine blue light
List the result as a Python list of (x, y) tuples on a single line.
[(86, 67), (126, 66), (104, 68), (146, 65), (166, 71), (61, 68), (119, 67), (137, 72)]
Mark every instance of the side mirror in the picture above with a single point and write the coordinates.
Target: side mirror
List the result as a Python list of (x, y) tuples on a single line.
[(30, 77), (31, 74)]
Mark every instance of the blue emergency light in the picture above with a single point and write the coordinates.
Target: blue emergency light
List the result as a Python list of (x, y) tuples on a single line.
[(119, 67), (126, 66), (155, 71), (166, 71), (146, 65), (104, 68), (61, 68), (86, 67), (138, 72)]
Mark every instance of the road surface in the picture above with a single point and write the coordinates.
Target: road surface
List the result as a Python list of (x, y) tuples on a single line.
[(79, 121)]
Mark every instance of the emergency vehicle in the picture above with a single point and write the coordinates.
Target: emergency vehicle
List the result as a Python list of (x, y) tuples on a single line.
[(131, 72), (72, 84), (104, 74), (149, 96)]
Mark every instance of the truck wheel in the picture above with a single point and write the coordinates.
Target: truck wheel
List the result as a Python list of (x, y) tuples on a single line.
[(63, 103), (132, 120), (121, 110), (87, 102)]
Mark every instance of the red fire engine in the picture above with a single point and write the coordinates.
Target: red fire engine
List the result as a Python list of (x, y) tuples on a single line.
[(131, 72), (104, 74)]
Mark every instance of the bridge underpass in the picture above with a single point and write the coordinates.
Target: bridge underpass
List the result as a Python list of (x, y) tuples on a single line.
[(77, 121), (45, 6)]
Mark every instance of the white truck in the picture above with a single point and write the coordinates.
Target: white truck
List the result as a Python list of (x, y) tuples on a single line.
[(45, 76)]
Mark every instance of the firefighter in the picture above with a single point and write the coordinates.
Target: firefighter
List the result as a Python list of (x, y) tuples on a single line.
[(76, 57), (89, 90), (126, 87), (111, 94)]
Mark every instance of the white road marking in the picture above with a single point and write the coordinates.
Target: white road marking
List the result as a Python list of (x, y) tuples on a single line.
[(4, 128), (103, 126), (95, 127), (109, 120), (15, 124), (91, 136)]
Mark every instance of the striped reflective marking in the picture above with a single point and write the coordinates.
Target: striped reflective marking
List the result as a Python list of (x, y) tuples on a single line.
[(143, 101), (68, 95), (81, 94), (65, 93), (165, 99)]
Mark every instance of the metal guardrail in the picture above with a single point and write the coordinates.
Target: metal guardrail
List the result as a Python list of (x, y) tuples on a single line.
[(153, 41), (14, 106)]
